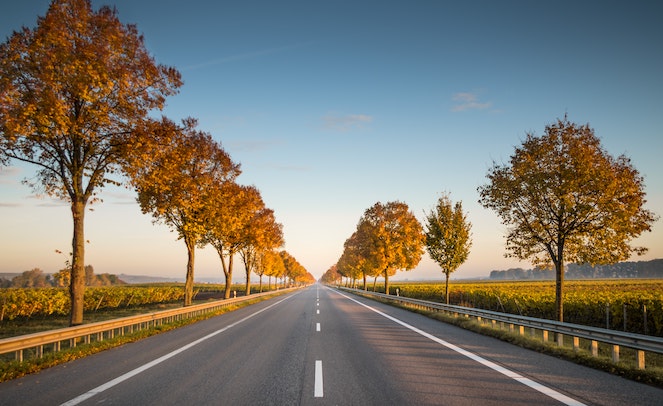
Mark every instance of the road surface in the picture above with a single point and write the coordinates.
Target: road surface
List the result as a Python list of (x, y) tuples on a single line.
[(318, 346)]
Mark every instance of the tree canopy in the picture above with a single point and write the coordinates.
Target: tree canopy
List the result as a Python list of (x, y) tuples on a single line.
[(271, 264), (565, 199), (392, 238), (262, 233), (72, 90)]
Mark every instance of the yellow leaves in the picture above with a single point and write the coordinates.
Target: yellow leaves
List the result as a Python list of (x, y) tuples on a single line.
[(185, 179), (391, 238), (69, 91)]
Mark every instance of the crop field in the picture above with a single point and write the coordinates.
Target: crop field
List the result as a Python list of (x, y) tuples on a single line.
[(634, 305), (31, 303)]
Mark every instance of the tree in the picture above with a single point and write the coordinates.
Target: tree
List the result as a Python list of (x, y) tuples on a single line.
[(393, 238), (270, 264), (565, 199), (331, 275), (34, 278), (262, 233), (71, 90), (448, 239), (293, 269), (176, 173), (230, 210), (354, 262), (274, 266)]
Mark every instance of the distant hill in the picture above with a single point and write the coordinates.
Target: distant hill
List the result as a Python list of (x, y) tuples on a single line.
[(642, 269)]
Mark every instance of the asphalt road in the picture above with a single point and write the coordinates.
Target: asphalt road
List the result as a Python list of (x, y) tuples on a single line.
[(321, 347)]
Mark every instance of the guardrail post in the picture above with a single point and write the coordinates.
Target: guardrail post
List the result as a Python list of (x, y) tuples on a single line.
[(594, 348), (521, 330), (576, 343), (545, 335), (640, 358), (560, 340), (494, 323), (615, 354), (19, 356)]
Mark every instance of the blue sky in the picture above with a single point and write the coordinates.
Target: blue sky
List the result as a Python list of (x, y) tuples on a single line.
[(333, 106)]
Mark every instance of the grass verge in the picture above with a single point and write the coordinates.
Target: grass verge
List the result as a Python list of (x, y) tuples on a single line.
[(651, 375)]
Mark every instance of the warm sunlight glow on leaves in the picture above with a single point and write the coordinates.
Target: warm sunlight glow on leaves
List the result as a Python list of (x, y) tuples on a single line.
[(72, 90), (392, 238)]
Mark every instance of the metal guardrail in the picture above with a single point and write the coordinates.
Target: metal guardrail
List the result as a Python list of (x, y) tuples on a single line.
[(639, 342), (104, 330)]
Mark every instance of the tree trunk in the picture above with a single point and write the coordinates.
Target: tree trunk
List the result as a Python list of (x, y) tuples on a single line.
[(386, 282), (365, 285), (188, 284), (446, 288), (260, 283), (228, 272), (248, 282), (77, 282), (559, 291)]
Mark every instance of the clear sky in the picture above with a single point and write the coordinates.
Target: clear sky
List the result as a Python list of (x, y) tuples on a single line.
[(332, 106)]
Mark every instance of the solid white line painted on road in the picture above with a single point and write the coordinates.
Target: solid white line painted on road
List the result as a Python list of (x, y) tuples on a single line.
[(161, 359), (317, 326), (511, 374), (317, 391)]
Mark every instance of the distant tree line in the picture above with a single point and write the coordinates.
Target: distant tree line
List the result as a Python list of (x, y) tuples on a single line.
[(36, 278), (639, 269)]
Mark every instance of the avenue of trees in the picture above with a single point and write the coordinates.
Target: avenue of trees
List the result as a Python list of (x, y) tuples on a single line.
[(389, 238), (76, 93), (563, 198)]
